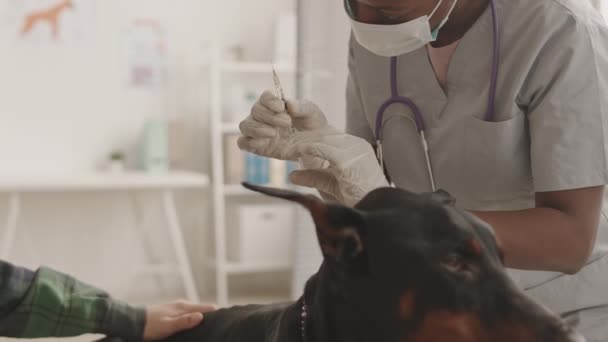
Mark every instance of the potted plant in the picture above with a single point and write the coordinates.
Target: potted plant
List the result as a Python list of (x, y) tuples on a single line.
[(117, 162)]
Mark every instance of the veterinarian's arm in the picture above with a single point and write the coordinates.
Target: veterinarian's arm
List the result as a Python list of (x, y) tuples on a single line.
[(47, 303), (557, 235)]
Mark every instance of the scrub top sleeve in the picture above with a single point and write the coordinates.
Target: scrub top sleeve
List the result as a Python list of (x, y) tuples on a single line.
[(566, 99), (356, 120)]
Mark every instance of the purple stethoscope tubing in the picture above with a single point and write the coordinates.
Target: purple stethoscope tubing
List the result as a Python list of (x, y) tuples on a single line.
[(417, 114)]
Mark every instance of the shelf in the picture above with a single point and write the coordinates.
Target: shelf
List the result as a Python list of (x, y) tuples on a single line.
[(236, 268), (238, 190), (102, 181), (252, 267), (255, 67)]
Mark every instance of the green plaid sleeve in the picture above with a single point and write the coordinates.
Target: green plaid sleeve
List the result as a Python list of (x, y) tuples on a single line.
[(48, 303)]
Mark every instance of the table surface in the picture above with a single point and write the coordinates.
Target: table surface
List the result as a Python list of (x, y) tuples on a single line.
[(102, 181)]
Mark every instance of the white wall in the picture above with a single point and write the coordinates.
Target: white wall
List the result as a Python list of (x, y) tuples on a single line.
[(602, 5), (324, 48), (64, 108)]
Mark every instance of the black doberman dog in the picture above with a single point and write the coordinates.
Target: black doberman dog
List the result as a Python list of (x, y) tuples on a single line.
[(399, 267)]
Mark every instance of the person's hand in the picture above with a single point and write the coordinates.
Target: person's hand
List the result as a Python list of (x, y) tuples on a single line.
[(352, 170), (307, 116), (165, 320), (341, 166), (273, 127)]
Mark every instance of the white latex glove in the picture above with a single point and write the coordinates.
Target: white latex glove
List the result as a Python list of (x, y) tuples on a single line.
[(271, 129), (307, 116), (353, 170), (266, 131), (341, 166)]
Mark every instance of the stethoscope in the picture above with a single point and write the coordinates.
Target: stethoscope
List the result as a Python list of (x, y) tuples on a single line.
[(417, 114)]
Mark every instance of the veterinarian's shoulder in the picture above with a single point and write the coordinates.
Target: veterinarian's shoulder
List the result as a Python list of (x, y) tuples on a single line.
[(543, 16), (548, 15), (553, 45)]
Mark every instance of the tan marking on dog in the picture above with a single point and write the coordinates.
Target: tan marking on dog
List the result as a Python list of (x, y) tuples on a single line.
[(407, 304), (467, 327), (450, 326)]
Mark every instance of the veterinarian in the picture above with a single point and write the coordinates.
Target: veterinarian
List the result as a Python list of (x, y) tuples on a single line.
[(47, 303), (503, 103)]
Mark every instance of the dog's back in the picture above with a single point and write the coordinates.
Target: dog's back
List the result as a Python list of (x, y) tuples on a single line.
[(251, 323)]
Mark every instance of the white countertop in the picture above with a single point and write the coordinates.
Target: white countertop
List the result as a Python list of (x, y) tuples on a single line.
[(102, 181)]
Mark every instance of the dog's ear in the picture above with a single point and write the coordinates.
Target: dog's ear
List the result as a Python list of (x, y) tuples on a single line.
[(443, 197), (339, 228)]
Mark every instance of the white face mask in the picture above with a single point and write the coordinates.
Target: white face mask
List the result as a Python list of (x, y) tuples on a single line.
[(395, 40)]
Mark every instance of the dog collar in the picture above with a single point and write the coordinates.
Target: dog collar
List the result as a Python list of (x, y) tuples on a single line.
[(303, 315)]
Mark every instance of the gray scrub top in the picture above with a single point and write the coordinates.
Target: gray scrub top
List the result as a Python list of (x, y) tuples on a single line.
[(549, 133)]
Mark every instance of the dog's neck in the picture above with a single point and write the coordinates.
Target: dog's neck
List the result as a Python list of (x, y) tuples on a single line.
[(289, 325), (313, 326), (323, 313)]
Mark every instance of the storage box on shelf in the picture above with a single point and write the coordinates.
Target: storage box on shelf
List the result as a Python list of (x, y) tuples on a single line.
[(257, 234)]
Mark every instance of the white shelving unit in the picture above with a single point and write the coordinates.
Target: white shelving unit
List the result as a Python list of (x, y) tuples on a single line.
[(219, 71), (297, 79), (223, 193)]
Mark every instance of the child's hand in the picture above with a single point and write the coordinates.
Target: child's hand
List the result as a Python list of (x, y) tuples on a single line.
[(165, 320)]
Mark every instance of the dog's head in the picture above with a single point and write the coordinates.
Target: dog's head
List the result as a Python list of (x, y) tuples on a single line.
[(412, 267)]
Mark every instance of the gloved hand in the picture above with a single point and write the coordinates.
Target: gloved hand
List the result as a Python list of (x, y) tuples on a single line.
[(266, 130), (269, 129), (353, 170), (263, 131), (341, 166)]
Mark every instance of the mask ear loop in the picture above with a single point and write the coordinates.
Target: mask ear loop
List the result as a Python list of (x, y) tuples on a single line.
[(435, 32), (447, 17), (435, 9)]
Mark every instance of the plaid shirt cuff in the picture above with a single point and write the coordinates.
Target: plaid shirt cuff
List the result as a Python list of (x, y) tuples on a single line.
[(53, 304), (14, 284), (123, 320)]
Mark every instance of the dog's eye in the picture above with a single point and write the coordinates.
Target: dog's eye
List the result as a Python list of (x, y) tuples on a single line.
[(454, 263)]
